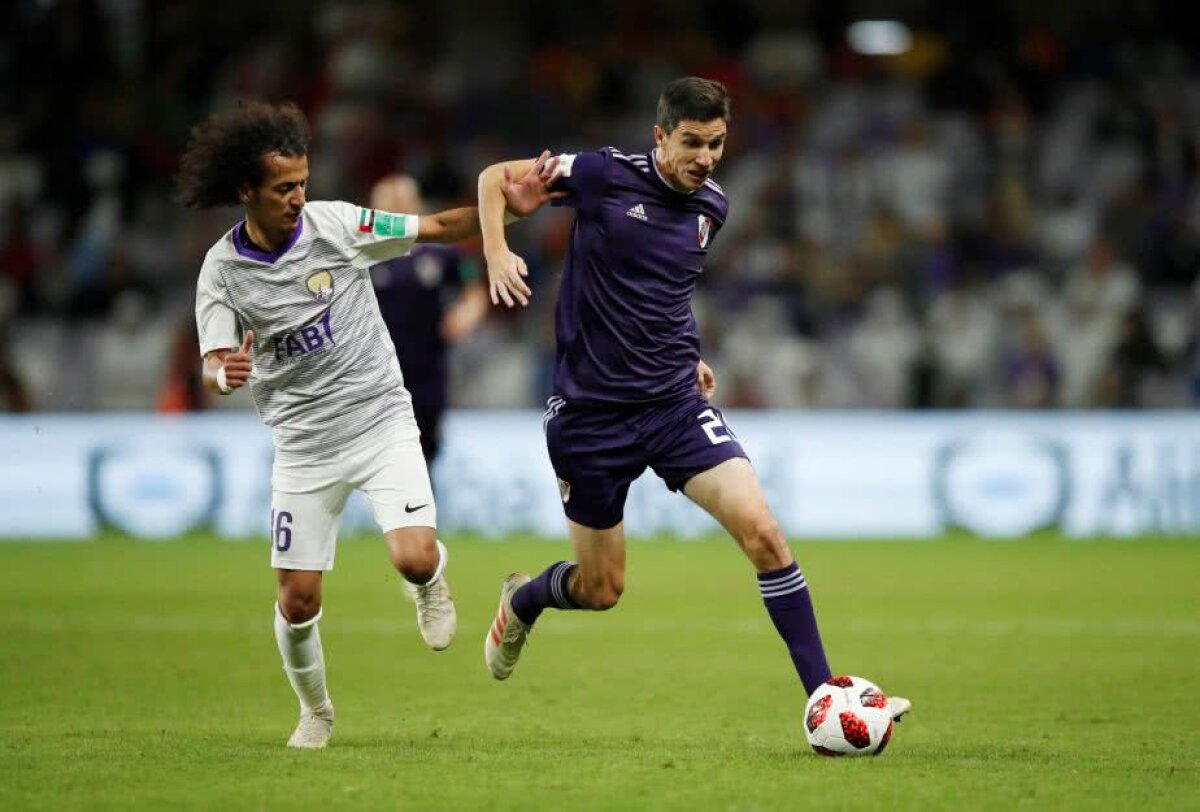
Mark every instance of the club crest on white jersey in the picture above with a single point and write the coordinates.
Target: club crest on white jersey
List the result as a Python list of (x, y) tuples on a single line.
[(320, 285)]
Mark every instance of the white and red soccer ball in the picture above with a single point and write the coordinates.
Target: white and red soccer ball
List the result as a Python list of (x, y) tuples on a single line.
[(848, 716)]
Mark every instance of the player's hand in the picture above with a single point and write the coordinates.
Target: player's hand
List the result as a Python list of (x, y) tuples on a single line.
[(462, 317), (238, 364), (706, 380), (506, 278), (526, 194)]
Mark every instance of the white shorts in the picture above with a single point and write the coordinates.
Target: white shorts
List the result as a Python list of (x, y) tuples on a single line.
[(307, 497)]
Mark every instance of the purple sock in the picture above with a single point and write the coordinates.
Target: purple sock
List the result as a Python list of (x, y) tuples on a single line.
[(548, 590), (785, 593)]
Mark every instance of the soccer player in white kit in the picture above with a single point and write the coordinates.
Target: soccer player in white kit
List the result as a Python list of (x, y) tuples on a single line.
[(284, 302)]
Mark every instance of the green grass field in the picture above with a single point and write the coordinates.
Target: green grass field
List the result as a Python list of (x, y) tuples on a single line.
[(1045, 674)]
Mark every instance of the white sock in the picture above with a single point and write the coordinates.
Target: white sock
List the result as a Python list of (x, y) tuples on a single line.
[(303, 660), (443, 559)]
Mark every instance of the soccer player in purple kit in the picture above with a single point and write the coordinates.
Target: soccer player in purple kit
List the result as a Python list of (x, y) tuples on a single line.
[(630, 387)]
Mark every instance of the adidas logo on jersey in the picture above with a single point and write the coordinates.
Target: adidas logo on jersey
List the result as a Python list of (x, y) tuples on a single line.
[(638, 212)]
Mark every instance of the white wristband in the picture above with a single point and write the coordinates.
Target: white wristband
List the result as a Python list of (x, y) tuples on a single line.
[(222, 384)]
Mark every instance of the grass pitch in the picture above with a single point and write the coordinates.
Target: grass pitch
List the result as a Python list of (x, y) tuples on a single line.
[(1045, 674)]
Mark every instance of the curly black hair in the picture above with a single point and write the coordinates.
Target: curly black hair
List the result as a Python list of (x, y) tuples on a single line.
[(227, 149)]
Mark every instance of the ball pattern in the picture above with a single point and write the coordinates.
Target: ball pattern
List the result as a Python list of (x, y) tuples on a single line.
[(848, 716), (817, 712)]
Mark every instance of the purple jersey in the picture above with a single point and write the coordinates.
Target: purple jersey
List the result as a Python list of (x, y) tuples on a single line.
[(624, 324)]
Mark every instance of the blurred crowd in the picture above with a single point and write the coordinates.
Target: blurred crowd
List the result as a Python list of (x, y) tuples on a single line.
[(1005, 215)]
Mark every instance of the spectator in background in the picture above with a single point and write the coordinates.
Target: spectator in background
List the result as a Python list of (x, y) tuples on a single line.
[(430, 298), (916, 181), (128, 353), (13, 397), (183, 390), (1099, 293), (884, 346), (1104, 286), (18, 254), (13, 394), (856, 174), (1191, 351), (961, 337), (1135, 360), (1030, 370), (1066, 226)]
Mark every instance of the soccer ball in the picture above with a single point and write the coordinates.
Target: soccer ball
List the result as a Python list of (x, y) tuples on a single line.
[(848, 716)]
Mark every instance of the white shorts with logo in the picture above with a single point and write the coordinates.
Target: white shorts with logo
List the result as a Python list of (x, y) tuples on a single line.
[(307, 496)]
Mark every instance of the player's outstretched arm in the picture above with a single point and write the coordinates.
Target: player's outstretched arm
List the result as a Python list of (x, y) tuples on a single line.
[(521, 195), (226, 370), (520, 188), (451, 225)]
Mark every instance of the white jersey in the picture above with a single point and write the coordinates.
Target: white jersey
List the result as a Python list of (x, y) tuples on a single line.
[(325, 372)]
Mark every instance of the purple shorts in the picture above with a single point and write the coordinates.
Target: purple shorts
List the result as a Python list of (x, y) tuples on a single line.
[(598, 453)]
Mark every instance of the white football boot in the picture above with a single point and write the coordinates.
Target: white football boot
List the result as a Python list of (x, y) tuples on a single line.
[(314, 729), (897, 706), (507, 634), (436, 616)]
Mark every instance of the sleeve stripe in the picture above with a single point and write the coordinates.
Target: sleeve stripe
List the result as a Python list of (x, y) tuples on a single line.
[(638, 161)]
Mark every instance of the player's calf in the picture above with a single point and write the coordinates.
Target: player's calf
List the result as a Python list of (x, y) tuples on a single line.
[(786, 598), (304, 665)]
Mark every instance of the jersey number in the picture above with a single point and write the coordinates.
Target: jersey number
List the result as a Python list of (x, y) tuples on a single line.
[(281, 527), (712, 425)]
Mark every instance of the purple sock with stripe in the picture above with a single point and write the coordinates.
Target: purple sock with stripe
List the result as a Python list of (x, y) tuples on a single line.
[(547, 591), (785, 593)]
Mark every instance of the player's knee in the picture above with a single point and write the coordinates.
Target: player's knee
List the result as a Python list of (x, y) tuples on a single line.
[(419, 565), (299, 605), (415, 555), (765, 544)]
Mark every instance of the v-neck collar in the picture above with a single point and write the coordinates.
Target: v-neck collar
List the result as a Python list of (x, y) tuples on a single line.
[(241, 242)]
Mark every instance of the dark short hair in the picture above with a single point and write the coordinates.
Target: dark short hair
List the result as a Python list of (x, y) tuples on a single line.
[(692, 99), (226, 151)]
